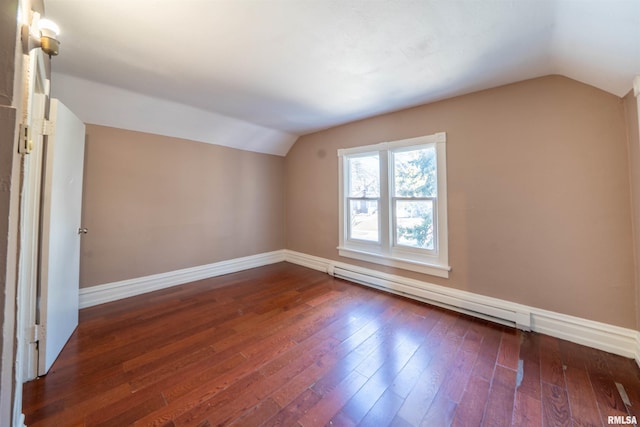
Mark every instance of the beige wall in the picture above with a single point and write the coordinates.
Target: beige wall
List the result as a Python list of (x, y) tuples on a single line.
[(538, 193), (8, 14), (631, 110), (155, 204)]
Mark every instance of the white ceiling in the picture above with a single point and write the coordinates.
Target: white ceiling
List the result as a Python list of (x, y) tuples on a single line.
[(290, 67)]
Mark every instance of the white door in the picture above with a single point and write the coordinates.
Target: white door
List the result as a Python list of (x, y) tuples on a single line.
[(60, 257)]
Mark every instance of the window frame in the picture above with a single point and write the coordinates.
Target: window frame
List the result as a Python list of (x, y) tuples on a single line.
[(386, 251)]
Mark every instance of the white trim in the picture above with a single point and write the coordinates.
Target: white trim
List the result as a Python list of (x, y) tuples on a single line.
[(602, 336), (610, 338), (108, 292), (613, 339), (439, 137), (406, 264), (309, 261), (26, 353), (636, 86), (366, 149), (385, 251)]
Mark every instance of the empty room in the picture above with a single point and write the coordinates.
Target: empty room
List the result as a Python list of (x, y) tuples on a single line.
[(320, 213)]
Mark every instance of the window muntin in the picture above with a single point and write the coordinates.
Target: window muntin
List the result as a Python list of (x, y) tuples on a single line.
[(393, 204)]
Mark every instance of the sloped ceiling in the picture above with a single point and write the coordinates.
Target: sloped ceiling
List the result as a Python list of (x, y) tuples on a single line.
[(255, 74)]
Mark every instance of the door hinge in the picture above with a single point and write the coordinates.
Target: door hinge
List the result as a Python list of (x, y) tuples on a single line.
[(26, 143), (36, 333), (48, 127)]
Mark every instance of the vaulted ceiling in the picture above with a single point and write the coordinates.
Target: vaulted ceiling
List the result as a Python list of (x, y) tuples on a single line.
[(255, 74)]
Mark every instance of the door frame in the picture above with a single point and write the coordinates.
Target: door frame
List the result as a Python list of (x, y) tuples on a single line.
[(34, 96), (30, 209)]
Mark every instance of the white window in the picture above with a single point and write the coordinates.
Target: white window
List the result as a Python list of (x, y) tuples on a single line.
[(393, 204)]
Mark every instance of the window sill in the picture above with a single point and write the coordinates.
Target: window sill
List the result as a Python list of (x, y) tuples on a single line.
[(405, 264)]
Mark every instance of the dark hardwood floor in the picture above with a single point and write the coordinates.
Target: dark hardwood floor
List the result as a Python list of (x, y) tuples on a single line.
[(284, 345)]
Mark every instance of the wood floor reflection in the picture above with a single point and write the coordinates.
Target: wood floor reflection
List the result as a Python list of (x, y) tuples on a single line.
[(284, 345)]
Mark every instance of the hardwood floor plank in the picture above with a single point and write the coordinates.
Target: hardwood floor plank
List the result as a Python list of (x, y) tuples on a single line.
[(499, 409), (383, 410), (220, 407), (74, 387), (488, 354), (440, 413), (283, 345), (284, 368), (341, 420), (45, 412), (394, 351), (509, 348), (221, 374), (530, 381), (624, 372), (189, 344), (527, 411), (456, 381), (596, 361), (530, 346), (331, 403), (406, 379), (255, 416), (470, 410), (360, 330), (607, 395), (80, 409), (375, 336), (551, 370), (582, 398), (420, 398), (296, 409), (125, 411), (555, 406), (377, 384), (573, 354)]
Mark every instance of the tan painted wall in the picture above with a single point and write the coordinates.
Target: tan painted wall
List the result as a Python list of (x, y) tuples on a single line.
[(631, 110), (8, 24), (538, 193), (155, 204)]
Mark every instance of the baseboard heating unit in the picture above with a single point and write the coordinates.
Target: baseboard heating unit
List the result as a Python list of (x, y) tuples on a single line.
[(452, 299), (614, 339)]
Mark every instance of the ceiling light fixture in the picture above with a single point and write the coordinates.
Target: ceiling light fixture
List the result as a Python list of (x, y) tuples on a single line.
[(46, 37)]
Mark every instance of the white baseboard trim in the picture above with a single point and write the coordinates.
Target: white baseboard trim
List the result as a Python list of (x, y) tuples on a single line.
[(108, 292), (613, 339), (610, 338)]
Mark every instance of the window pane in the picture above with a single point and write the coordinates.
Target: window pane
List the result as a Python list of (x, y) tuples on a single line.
[(415, 173), (414, 223), (364, 176), (364, 220)]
